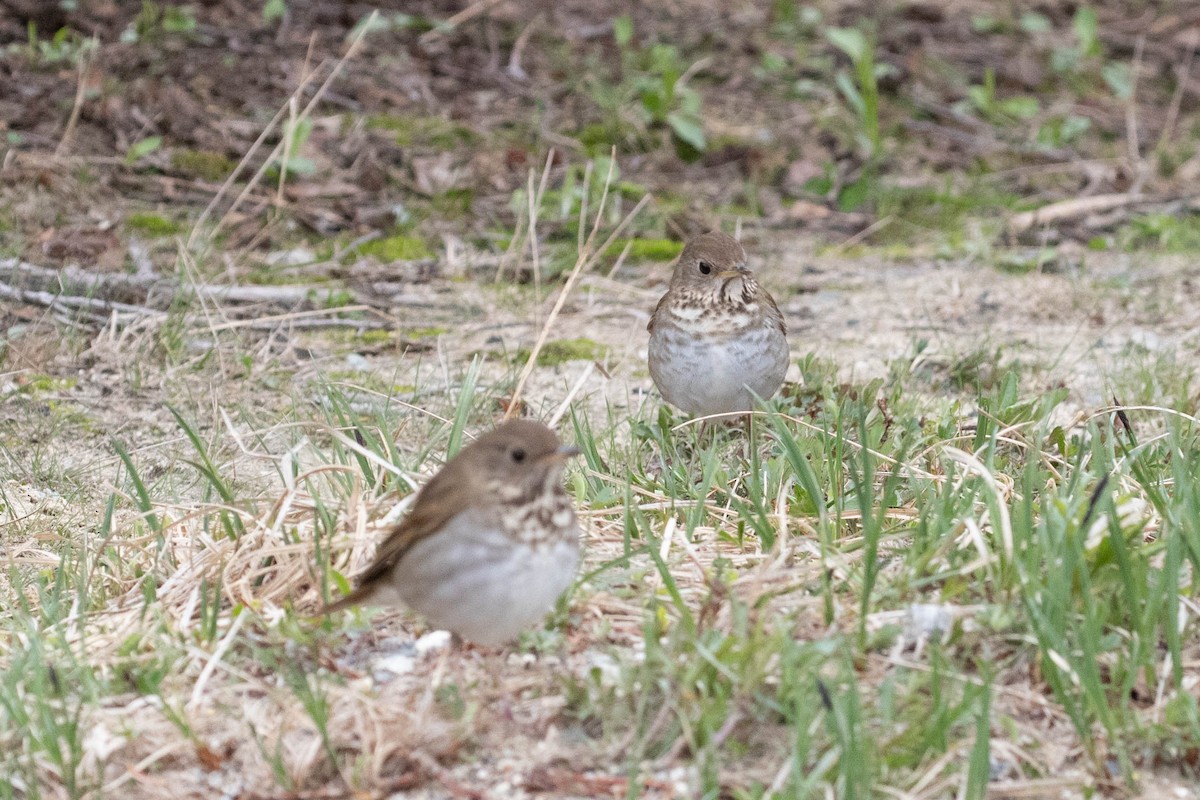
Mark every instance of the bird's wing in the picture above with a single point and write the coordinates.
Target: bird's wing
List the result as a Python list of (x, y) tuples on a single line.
[(775, 314), (430, 513), (662, 301)]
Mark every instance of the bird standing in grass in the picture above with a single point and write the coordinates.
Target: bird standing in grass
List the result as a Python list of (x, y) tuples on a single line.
[(717, 339), (490, 543)]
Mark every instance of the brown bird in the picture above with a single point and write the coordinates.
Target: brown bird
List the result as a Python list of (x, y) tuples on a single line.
[(717, 338), (490, 543)]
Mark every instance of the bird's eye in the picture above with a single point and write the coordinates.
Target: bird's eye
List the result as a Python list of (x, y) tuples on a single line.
[(705, 267), (518, 455)]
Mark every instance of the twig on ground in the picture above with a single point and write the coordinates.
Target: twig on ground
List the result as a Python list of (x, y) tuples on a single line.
[(85, 65), (150, 294), (874, 227), (1132, 140), (514, 68), (282, 321), (575, 387), (466, 15), (1182, 79), (527, 226), (1077, 207), (71, 302)]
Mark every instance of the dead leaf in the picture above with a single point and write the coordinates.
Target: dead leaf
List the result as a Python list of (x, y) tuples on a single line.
[(435, 175), (209, 760), (85, 245)]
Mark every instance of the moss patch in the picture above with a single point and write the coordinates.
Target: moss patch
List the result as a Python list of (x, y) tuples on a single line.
[(150, 224), (381, 336), (559, 351), (37, 384), (396, 248), (429, 131), (203, 164), (334, 298), (646, 249), (454, 204)]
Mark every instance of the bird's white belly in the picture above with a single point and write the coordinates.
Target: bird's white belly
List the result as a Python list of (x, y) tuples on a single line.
[(486, 588), (717, 375)]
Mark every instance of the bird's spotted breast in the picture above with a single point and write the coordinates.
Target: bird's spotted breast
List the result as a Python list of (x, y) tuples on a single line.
[(546, 520), (710, 316)]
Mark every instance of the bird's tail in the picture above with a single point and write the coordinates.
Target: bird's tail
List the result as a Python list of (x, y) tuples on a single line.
[(359, 595)]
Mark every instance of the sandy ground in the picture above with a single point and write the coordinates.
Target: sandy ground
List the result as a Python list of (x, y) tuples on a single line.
[(1088, 326)]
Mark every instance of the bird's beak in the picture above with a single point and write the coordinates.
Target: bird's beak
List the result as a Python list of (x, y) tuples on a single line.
[(562, 453), (729, 273)]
